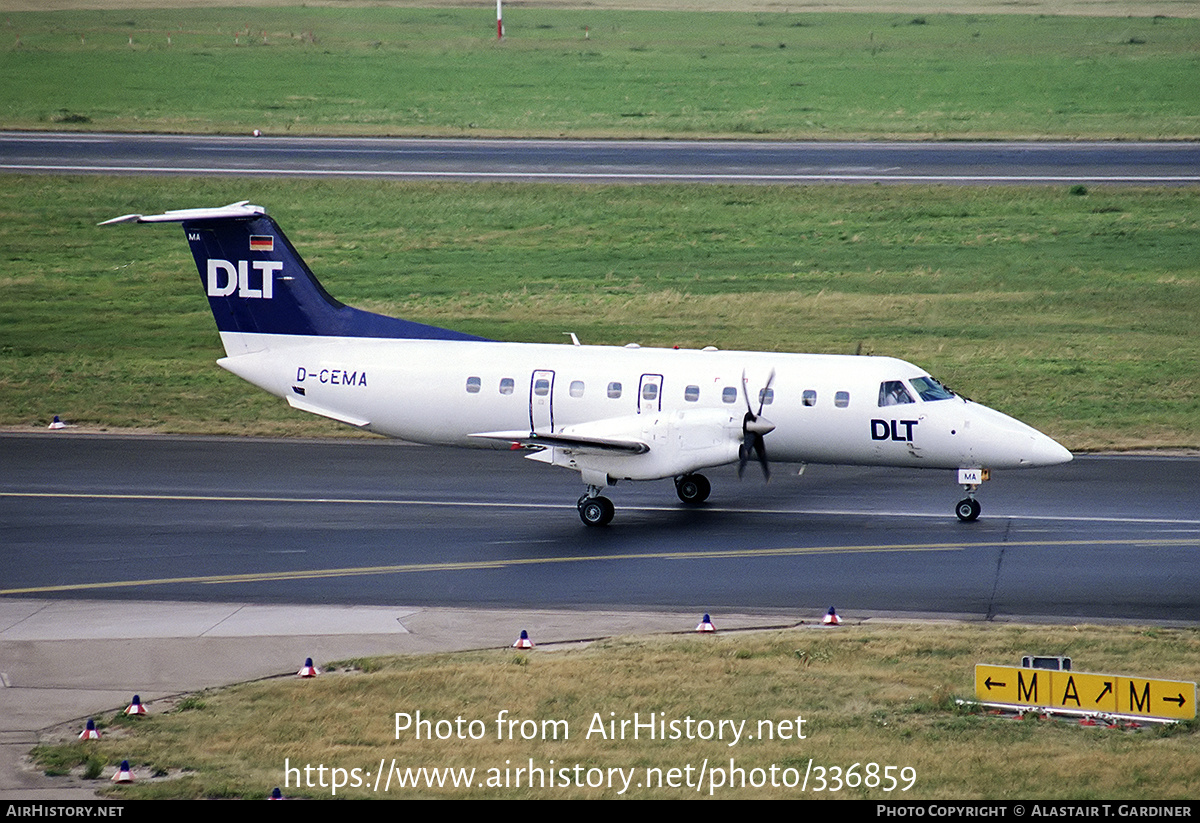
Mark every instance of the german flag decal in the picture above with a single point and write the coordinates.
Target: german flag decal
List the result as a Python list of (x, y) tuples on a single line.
[(262, 242)]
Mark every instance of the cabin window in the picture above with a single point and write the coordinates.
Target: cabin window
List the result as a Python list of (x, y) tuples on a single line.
[(473, 384), (841, 399), (809, 398), (893, 393), (576, 388), (691, 394), (506, 385), (650, 391), (766, 396), (614, 390), (729, 394), (541, 387)]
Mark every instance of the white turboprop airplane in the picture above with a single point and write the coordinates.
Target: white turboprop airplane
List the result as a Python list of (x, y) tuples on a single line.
[(609, 413)]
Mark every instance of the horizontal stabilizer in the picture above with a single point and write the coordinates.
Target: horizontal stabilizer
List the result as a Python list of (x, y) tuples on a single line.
[(569, 441), (242, 208)]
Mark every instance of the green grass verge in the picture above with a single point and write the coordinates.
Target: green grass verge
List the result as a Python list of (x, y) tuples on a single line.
[(868, 694), (597, 72), (1072, 312)]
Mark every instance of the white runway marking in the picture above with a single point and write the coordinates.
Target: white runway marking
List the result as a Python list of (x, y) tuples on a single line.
[(606, 176), (492, 504)]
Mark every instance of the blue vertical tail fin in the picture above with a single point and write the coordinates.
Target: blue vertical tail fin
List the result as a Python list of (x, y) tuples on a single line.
[(257, 283)]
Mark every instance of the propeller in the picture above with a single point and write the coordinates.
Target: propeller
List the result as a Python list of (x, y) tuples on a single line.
[(754, 427)]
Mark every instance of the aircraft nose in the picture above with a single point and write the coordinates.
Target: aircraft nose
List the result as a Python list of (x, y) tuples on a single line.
[(1004, 442), (1045, 451)]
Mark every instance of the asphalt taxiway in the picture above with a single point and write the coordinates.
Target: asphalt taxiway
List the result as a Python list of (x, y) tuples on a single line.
[(163, 565), (605, 161), (373, 522)]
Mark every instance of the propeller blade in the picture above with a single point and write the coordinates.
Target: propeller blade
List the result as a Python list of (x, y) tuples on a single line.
[(753, 445), (762, 395), (762, 456), (754, 427)]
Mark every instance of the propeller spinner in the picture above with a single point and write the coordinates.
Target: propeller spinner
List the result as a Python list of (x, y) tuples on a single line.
[(754, 427)]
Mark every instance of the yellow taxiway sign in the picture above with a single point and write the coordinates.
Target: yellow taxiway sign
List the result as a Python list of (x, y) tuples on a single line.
[(1083, 691)]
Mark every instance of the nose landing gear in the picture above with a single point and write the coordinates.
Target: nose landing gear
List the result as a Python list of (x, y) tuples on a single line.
[(968, 508)]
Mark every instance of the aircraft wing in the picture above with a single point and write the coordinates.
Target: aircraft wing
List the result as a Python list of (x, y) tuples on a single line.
[(564, 440), (635, 447)]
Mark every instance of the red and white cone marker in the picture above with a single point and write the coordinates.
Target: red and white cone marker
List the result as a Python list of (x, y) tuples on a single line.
[(831, 618), (91, 732), (123, 774), (705, 625), (135, 709), (523, 642), (308, 669)]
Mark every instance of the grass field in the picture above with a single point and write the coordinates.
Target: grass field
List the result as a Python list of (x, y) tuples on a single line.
[(1067, 311), (868, 694), (1075, 8), (1070, 311), (601, 72)]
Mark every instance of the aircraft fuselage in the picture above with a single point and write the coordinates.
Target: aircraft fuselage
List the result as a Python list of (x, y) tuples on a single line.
[(825, 408)]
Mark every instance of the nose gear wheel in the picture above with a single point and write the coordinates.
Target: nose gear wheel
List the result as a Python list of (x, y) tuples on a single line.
[(968, 509)]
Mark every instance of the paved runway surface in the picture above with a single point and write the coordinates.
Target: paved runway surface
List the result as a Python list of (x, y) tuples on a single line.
[(604, 161), (375, 522)]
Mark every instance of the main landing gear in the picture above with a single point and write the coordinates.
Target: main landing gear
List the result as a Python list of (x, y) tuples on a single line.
[(692, 489), (595, 510)]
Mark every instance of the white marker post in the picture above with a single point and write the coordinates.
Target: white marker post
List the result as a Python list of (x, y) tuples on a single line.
[(499, 22)]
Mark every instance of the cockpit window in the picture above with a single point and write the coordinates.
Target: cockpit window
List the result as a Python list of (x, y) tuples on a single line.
[(930, 389), (893, 393)]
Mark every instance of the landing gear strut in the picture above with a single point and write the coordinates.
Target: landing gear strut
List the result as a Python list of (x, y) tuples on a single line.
[(692, 489), (595, 510)]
